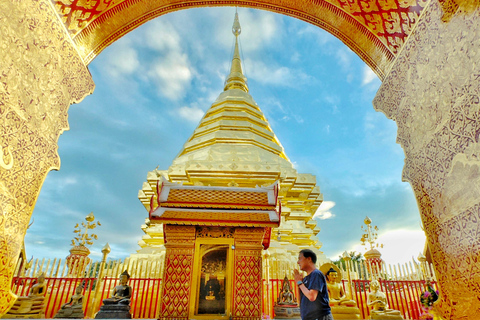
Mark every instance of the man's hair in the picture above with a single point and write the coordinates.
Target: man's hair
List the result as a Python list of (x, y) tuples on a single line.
[(307, 253)]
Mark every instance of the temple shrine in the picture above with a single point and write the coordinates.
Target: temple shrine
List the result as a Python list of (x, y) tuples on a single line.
[(229, 194)]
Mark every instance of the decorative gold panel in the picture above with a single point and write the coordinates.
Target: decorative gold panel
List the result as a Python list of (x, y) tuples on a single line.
[(178, 271), (218, 196), (433, 94), (215, 232), (41, 74), (247, 291), (193, 216), (375, 30)]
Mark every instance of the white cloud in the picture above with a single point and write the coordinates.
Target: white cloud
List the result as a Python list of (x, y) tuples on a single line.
[(378, 130), (333, 101), (162, 36), (368, 75), (275, 111), (124, 61), (253, 21), (322, 37), (344, 57), (172, 75), (399, 246), (327, 129), (323, 212), (192, 114), (274, 75)]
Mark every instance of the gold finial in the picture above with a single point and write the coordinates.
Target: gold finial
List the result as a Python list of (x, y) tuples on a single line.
[(370, 234), (236, 79), (85, 238), (236, 29)]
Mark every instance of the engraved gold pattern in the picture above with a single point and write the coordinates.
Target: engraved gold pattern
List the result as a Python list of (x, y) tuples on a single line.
[(215, 232), (433, 93), (178, 271), (375, 30), (41, 75)]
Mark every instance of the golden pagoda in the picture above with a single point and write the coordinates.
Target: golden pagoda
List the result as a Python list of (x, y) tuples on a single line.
[(234, 146)]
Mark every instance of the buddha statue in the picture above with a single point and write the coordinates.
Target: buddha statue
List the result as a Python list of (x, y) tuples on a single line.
[(118, 305), (286, 306), (378, 301), (335, 291), (286, 296), (32, 305), (121, 293), (342, 307), (74, 308)]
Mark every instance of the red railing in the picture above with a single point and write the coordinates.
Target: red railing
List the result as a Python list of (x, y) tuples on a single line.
[(401, 295), (144, 302)]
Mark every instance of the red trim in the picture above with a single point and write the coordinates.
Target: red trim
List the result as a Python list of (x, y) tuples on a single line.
[(266, 238), (158, 191), (219, 222), (151, 206), (165, 204)]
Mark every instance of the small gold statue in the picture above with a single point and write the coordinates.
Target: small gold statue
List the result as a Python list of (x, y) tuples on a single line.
[(74, 308), (32, 305), (378, 301)]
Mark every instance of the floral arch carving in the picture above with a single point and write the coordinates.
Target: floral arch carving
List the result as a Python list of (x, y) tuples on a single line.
[(375, 30)]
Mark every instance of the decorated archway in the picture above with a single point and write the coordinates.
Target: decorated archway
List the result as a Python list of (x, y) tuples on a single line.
[(426, 53)]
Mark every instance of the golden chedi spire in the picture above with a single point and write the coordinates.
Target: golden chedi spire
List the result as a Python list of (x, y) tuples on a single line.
[(236, 79), (234, 145), (233, 128)]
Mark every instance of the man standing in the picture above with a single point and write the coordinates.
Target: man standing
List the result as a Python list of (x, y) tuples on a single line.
[(314, 301)]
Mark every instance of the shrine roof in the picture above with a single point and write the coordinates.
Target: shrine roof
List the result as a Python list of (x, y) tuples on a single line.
[(214, 217), (174, 195)]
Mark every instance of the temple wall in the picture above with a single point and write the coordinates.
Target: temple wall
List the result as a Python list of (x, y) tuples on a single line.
[(433, 94), (41, 74)]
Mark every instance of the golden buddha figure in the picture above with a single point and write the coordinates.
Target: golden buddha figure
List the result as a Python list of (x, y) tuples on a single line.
[(378, 301), (335, 290), (32, 305), (342, 307), (73, 308)]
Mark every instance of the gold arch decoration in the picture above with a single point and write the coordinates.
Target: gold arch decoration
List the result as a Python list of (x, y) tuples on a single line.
[(374, 30)]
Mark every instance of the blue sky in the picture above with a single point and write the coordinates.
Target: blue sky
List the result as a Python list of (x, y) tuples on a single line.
[(152, 88)]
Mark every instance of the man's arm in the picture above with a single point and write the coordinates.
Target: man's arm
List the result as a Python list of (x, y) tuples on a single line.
[(310, 294)]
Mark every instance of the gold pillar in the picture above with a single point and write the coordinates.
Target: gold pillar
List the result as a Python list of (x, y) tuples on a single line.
[(433, 94), (178, 271), (41, 74), (247, 283)]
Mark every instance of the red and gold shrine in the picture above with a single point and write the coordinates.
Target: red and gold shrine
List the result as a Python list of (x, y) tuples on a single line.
[(214, 237)]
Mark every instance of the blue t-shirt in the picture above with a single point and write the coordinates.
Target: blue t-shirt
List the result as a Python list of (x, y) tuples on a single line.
[(320, 307)]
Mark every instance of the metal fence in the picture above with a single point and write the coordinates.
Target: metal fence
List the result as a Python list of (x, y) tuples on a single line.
[(98, 280)]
